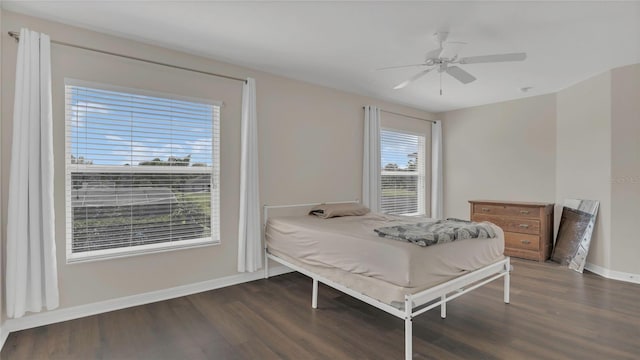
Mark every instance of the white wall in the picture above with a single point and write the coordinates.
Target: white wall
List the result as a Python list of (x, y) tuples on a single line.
[(598, 147), (502, 151), (625, 169), (583, 165), (310, 149)]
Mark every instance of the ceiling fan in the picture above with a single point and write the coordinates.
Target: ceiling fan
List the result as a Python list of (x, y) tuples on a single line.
[(445, 60)]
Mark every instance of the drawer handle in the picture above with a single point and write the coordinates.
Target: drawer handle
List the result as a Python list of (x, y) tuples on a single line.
[(525, 212), (524, 226), (485, 209), (526, 241)]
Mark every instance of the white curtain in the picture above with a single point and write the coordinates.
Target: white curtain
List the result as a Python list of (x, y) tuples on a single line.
[(371, 159), (249, 242), (437, 193), (31, 278)]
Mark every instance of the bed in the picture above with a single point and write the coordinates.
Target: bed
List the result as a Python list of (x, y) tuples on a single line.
[(398, 277)]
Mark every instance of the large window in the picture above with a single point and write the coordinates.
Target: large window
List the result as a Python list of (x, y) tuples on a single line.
[(142, 171), (402, 179)]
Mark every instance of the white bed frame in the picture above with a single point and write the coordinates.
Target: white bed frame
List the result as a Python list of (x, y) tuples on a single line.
[(414, 304)]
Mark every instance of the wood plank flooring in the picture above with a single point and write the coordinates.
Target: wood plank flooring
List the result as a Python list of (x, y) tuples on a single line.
[(554, 314)]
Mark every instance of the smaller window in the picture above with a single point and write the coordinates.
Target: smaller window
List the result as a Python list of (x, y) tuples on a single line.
[(402, 177)]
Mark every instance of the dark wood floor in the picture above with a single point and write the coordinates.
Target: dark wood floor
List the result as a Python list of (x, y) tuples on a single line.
[(554, 314)]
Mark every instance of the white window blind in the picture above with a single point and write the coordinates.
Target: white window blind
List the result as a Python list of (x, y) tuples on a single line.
[(402, 175), (142, 171)]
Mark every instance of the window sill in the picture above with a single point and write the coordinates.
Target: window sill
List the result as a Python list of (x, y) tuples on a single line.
[(109, 254), (416, 214)]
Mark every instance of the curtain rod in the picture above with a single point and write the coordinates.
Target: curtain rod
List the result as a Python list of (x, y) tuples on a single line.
[(405, 115), (16, 35)]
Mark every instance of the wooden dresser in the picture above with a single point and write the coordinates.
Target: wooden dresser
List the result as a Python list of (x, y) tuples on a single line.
[(528, 226)]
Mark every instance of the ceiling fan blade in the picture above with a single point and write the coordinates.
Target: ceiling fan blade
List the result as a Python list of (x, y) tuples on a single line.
[(400, 66), (450, 49), (411, 79), (461, 75), (493, 58)]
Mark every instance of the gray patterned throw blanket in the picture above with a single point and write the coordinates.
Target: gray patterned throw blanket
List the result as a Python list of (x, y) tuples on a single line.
[(438, 232)]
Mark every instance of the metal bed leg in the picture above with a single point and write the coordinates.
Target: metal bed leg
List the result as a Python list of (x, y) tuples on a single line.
[(265, 216), (408, 329), (408, 339), (443, 306), (314, 296), (507, 281), (266, 264)]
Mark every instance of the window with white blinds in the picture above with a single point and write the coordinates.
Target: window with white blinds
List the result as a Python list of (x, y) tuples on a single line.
[(142, 171), (402, 177)]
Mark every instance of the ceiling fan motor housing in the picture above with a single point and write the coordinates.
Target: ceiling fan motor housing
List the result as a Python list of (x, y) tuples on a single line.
[(441, 36)]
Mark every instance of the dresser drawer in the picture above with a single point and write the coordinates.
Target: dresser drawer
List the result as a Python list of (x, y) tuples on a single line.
[(507, 210), (524, 226), (521, 241)]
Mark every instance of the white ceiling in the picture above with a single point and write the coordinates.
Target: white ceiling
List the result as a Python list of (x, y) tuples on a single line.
[(340, 44)]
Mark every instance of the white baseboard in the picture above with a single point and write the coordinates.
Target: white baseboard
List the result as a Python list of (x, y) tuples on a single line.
[(4, 334), (75, 312), (612, 274)]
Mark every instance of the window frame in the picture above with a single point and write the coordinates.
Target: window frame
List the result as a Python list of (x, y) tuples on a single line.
[(213, 170), (422, 175)]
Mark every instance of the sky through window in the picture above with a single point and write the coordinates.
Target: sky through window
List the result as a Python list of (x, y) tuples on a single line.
[(116, 128)]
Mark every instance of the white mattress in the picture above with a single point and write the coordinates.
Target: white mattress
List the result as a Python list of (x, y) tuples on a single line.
[(349, 244)]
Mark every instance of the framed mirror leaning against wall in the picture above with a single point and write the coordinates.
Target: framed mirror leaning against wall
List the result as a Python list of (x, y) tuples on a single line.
[(574, 235)]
